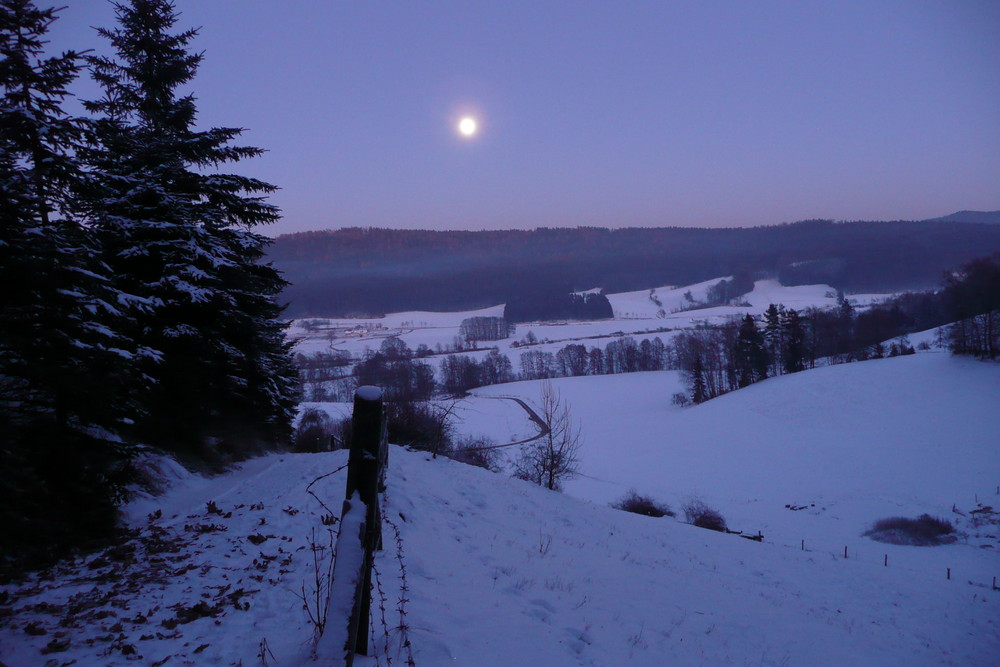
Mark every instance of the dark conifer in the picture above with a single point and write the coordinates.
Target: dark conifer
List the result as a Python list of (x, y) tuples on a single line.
[(774, 336), (972, 297), (180, 237), (794, 337), (63, 363), (699, 393), (845, 328), (749, 355)]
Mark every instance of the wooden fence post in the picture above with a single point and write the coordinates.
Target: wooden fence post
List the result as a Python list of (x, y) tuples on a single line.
[(369, 454), (365, 478)]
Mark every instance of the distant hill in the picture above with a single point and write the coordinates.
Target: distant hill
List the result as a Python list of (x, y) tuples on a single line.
[(372, 271), (980, 217)]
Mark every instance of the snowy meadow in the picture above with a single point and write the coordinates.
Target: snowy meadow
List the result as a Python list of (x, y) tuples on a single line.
[(483, 569)]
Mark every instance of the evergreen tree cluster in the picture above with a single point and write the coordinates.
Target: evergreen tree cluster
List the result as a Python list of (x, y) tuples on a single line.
[(540, 304), (138, 310), (721, 358), (972, 298)]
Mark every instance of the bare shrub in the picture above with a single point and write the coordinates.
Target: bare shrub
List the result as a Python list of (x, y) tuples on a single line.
[(318, 586), (699, 514), (633, 502), (555, 456), (680, 399), (479, 452), (924, 531), (341, 437)]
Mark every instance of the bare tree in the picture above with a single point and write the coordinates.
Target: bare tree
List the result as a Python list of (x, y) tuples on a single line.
[(554, 457)]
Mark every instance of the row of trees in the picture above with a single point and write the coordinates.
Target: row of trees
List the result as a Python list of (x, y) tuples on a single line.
[(475, 329), (405, 377), (623, 355), (137, 310), (459, 372)]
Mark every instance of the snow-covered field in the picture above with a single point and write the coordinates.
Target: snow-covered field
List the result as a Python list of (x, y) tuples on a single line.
[(500, 572), (643, 314)]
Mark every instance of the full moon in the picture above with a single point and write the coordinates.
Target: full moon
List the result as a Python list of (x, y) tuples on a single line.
[(467, 126)]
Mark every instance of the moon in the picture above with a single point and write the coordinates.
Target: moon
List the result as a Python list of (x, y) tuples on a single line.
[(468, 126)]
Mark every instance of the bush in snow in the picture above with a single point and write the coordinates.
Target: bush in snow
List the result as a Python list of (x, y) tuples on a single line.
[(420, 425), (476, 451), (633, 502), (924, 531), (699, 514), (314, 432)]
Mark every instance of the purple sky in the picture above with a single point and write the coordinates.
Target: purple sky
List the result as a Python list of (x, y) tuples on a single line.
[(600, 113)]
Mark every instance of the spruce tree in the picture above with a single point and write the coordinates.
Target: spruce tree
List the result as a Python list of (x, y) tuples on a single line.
[(749, 355), (774, 336), (699, 393), (794, 337), (64, 365), (180, 236), (845, 328)]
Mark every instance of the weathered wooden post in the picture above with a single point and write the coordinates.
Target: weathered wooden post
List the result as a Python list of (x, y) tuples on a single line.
[(365, 479), (360, 532), (369, 452)]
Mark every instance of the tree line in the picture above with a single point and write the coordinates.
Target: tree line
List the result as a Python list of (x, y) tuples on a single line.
[(138, 309), (720, 358), (405, 375), (476, 329)]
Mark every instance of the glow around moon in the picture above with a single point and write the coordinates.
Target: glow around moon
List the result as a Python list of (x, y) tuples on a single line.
[(467, 126)]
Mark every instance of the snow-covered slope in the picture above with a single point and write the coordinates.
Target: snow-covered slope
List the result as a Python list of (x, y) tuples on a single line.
[(661, 300), (853, 443), (504, 573), (499, 572)]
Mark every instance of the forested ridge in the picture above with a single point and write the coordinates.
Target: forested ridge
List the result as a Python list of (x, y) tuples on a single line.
[(372, 270)]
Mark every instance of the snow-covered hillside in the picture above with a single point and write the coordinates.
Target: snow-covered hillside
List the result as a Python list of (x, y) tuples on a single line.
[(500, 572), (851, 443)]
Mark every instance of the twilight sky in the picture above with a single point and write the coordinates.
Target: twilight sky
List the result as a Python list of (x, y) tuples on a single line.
[(611, 114)]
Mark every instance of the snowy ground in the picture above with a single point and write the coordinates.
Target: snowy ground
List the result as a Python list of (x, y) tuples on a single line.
[(503, 573)]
